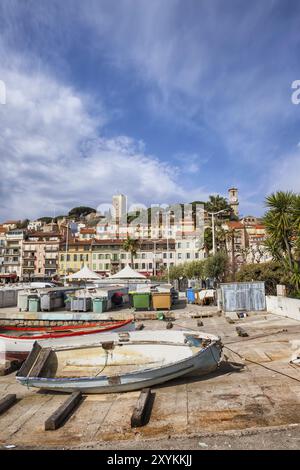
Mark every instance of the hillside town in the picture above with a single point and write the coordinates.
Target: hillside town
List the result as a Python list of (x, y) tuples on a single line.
[(47, 249)]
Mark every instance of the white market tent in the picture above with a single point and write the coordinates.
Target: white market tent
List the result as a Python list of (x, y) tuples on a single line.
[(85, 274), (127, 273)]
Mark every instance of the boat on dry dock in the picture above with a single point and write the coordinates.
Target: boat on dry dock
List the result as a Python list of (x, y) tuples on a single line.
[(17, 342), (121, 362)]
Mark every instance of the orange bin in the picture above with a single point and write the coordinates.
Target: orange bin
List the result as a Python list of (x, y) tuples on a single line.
[(161, 300)]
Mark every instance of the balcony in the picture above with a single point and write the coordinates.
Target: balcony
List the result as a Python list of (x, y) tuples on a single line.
[(11, 251), (50, 265)]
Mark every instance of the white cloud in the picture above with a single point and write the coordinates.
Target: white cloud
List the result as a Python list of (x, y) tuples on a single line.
[(285, 173), (53, 156)]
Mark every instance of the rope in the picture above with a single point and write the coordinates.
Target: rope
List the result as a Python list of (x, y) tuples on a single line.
[(106, 359), (262, 365)]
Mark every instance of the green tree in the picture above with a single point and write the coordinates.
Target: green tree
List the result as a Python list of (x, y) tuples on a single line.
[(23, 223), (217, 203), (194, 269), (177, 272), (272, 273), (131, 245), (47, 220), (81, 211), (282, 225), (216, 266)]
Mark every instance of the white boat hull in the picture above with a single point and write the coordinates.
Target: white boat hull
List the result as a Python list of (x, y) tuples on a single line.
[(18, 348), (202, 362)]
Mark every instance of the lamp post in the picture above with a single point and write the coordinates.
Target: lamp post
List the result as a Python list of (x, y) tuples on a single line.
[(66, 252), (213, 227), (168, 264)]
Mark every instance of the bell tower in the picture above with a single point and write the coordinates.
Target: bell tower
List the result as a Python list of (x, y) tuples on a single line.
[(233, 197)]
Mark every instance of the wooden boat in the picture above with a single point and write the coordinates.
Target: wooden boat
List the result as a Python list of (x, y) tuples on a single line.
[(121, 362), (17, 342)]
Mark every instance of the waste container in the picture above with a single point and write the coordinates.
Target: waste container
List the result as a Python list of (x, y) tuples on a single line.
[(161, 300), (23, 301), (34, 304), (81, 304), (99, 305), (141, 300), (190, 293), (52, 300)]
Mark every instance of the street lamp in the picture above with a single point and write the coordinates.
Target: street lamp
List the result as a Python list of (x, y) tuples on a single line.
[(213, 227), (168, 265)]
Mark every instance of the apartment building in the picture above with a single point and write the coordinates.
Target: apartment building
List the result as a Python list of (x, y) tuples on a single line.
[(73, 255), (108, 256), (40, 255), (245, 241), (12, 264), (2, 247)]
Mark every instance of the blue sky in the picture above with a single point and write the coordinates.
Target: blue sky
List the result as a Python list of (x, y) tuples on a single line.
[(167, 101)]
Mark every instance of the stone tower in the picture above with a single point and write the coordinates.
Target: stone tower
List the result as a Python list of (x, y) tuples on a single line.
[(233, 198)]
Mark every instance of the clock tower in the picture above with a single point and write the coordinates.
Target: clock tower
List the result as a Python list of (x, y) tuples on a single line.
[(234, 200)]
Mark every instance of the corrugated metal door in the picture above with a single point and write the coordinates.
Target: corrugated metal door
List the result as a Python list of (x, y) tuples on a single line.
[(243, 296)]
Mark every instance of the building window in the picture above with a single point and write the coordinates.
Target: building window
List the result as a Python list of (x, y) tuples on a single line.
[(143, 266), (94, 267), (179, 255), (150, 265), (75, 257), (62, 258), (136, 266), (68, 257), (188, 255)]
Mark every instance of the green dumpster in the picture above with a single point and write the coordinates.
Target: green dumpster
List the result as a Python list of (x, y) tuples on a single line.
[(34, 304), (141, 300), (99, 305)]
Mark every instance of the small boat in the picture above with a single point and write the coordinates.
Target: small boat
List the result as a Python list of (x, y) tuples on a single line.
[(17, 342), (121, 362)]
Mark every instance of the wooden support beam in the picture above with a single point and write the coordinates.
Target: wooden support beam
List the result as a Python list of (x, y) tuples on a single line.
[(241, 332), (40, 363), (27, 365), (142, 410), (63, 412), (7, 402)]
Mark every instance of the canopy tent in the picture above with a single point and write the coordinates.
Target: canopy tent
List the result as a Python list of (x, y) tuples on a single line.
[(86, 274), (127, 273)]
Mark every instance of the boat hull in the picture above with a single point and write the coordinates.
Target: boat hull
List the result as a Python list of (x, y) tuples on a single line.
[(203, 362), (14, 348)]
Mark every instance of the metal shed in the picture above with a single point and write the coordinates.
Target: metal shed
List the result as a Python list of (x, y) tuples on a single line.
[(243, 296)]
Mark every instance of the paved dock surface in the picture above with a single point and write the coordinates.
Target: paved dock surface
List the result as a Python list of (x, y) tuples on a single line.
[(252, 401)]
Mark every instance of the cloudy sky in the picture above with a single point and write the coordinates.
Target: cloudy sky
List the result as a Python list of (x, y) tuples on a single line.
[(164, 100)]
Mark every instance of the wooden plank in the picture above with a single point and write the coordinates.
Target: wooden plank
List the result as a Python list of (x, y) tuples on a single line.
[(40, 363), (63, 412), (27, 365), (241, 332), (7, 402), (142, 410)]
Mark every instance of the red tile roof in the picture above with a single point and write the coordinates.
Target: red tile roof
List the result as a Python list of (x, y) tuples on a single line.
[(88, 230)]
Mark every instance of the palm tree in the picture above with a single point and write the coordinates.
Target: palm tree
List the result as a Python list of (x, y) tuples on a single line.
[(217, 203), (131, 245), (282, 222)]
